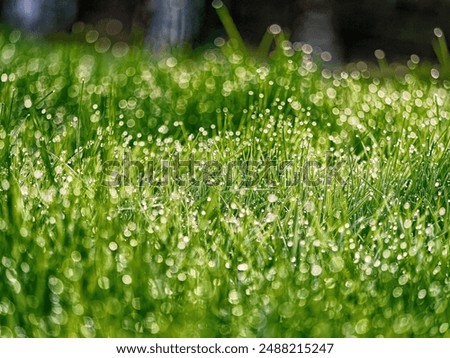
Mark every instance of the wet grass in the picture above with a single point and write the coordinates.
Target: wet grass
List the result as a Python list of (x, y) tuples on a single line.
[(219, 195)]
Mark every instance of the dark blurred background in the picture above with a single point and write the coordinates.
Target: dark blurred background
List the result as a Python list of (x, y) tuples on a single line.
[(349, 29)]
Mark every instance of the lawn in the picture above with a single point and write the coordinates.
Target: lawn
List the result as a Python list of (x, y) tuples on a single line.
[(219, 194)]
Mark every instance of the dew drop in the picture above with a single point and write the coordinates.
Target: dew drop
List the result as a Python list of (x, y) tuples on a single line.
[(407, 224), (127, 280), (438, 32), (242, 267), (316, 270), (272, 198)]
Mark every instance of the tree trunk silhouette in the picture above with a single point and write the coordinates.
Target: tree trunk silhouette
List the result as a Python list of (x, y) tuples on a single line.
[(40, 16), (173, 22)]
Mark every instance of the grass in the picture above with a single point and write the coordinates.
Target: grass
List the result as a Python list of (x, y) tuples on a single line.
[(318, 202)]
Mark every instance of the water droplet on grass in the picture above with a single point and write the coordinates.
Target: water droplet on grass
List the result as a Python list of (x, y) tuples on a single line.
[(275, 29), (163, 129), (38, 174), (55, 285), (407, 224), (91, 36), (336, 264), (237, 311), (397, 292), (242, 267), (217, 4), (422, 293), (435, 73), (362, 326), (120, 49), (271, 217), (272, 198), (438, 32), (5, 184), (103, 283), (379, 54), (316, 270), (443, 328), (127, 280), (113, 246), (233, 297)]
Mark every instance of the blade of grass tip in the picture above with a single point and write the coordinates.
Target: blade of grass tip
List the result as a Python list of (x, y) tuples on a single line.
[(8, 122), (48, 164), (380, 55), (446, 131), (229, 25), (44, 98), (21, 123), (280, 37), (77, 148), (265, 44), (278, 34), (43, 149), (441, 50), (6, 160), (69, 168)]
